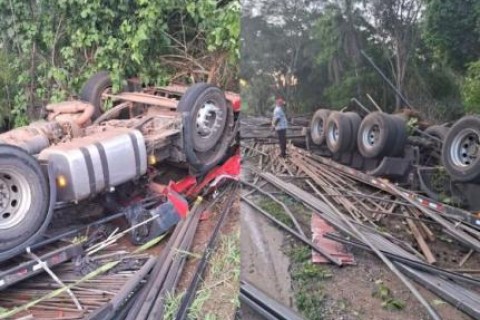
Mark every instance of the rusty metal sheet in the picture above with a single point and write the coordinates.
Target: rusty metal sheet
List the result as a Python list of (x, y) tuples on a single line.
[(319, 228)]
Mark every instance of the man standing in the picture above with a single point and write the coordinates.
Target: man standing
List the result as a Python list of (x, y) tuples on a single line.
[(279, 123)]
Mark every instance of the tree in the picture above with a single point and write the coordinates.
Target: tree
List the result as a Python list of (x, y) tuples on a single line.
[(56, 45), (274, 38), (396, 24), (452, 30), (341, 33), (471, 88), (6, 89)]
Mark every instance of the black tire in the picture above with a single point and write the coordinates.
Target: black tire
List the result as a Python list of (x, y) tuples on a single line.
[(400, 136), (338, 132), (92, 91), (461, 150), (376, 135), (25, 197), (439, 132), (355, 121), (202, 161), (317, 126), (203, 96)]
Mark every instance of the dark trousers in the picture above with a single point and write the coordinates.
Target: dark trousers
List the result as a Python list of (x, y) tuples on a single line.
[(282, 140)]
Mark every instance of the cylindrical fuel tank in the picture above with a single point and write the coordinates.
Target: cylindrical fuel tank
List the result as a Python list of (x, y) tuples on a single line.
[(92, 164)]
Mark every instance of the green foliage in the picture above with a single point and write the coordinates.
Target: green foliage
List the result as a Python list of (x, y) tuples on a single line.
[(471, 88), (6, 87), (276, 52), (452, 30), (57, 45), (421, 46), (307, 280), (275, 210), (388, 301)]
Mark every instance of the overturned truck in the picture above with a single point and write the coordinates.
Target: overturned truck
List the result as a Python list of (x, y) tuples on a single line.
[(442, 161), (84, 151)]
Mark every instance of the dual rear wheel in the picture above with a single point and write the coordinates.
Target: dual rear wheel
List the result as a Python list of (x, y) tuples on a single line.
[(377, 135), (380, 135)]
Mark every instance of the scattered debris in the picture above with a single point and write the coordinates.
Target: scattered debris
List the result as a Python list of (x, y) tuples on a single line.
[(399, 226), (319, 228), (265, 305)]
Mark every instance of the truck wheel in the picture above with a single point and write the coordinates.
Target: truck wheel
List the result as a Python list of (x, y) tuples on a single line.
[(461, 150), (355, 122), (93, 89), (400, 136), (207, 107), (375, 134), (194, 143), (24, 197), (317, 126), (338, 132)]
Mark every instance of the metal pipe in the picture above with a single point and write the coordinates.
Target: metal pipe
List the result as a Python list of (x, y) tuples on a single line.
[(380, 72), (199, 272), (360, 105), (285, 208)]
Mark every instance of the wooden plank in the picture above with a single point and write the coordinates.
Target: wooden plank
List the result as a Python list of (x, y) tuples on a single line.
[(429, 234), (420, 240)]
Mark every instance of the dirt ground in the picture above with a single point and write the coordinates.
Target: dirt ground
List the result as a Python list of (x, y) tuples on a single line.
[(348, 294)]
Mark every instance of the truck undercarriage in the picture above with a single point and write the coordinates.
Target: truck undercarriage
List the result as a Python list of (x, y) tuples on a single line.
[(442, 162), (85, 150)]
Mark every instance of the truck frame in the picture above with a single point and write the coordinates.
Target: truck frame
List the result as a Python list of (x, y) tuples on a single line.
[(441, 161), (86, 150)]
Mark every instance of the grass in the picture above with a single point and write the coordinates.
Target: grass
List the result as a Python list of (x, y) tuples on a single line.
[(172, 304), (218, 294), (307, 277), (275, 210), (307, 282), (301, 213), (223, 278), (389, 302)]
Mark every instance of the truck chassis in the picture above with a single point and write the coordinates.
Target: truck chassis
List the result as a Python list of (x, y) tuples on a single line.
[(86, 150)]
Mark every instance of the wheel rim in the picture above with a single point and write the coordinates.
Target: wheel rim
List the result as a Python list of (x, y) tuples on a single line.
[(370, 136), (465, 148), (208, 120), (333, 133), (15, 197), (319, 128)]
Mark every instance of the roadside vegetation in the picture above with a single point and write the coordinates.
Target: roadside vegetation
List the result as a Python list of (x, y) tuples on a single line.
[(307, 278), (49, 48), (310, 52), (218, 295)]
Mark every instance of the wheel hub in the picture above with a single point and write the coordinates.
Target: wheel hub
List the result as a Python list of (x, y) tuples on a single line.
[(4, 195), (14, 198), (319, 128), (370, 136), (465, 148), (333, 133), (207, 119)]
